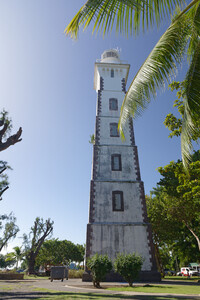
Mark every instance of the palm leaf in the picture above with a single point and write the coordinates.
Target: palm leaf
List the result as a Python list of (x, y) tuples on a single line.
[(191, 105), (126, 14), (159, 66)]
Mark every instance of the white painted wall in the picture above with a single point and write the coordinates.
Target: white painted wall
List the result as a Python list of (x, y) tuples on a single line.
[(103, 202), (121, 239)]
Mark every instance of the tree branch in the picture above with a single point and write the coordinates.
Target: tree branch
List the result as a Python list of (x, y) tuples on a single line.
[(1, 192), (2, 131), (13, 139), (193, 233), (3, 170)]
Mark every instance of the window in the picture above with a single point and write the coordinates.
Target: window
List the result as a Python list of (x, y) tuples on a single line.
[(112, 73), (116, 163), (114, 130), (117, 201), (113, 104)]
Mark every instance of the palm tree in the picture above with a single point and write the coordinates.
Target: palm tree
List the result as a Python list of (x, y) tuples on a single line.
[(15, 256), (182, 37)]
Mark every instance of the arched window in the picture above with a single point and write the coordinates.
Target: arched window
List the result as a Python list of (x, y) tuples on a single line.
[(112, 73)]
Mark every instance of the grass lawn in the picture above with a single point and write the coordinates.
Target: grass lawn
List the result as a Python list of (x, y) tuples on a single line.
[(35, 277), (159, 288), (194, 278), (18, 290), (83, 296)]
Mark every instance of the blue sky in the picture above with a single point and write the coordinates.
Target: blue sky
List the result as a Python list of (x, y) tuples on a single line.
[(46, 84)]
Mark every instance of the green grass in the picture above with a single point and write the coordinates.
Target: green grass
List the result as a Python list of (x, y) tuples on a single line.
[(4, 287), (169, 289), (48, 294), (93, 296), (35, 277), (194, 278)]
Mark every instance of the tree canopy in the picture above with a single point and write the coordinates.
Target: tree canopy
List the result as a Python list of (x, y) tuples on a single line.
[(54, 252), (8, 229), (174, 208)]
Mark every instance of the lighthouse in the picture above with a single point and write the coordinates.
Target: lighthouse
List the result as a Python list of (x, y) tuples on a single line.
[(118, 220)]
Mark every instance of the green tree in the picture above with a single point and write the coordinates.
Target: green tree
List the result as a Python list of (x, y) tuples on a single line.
[(128, 266), (181, 37), (173, 123), (9, 229), (173, 209), (4, 263), (16, 256), (100, 265), (54, 252), (183, 193), (34, 241)]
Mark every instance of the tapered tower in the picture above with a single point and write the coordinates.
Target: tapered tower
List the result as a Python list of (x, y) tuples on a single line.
[(117, 212)]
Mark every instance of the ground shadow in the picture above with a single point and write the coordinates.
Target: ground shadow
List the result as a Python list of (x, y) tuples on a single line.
[(58, 295)]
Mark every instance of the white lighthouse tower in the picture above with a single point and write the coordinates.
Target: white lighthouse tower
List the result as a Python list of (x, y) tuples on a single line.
[(117, 213)]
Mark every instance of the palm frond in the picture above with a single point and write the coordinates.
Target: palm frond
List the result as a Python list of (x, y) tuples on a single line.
[(191, 105), (125, 14), (195, 30), (159, 66)]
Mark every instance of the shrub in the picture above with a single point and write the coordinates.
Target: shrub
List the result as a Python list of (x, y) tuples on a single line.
[(128, 266), (75, 273), (100, 265)]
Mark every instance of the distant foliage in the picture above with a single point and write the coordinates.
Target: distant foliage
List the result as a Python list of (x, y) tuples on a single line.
[(128, 266), (54, 252), (100, 265), (8, 229), (4, 263)]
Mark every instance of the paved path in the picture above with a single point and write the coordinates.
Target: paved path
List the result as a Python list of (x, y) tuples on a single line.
[(31, 289)]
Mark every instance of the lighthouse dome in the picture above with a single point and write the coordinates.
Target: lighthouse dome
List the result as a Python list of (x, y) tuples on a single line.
[(110, 56)]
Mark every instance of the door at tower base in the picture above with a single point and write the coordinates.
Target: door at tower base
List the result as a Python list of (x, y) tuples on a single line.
[(122, 238)]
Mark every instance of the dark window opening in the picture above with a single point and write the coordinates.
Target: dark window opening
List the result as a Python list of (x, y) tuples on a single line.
[(117, 201), (112, 73), (113, 104), (116, 163), (114, 130)]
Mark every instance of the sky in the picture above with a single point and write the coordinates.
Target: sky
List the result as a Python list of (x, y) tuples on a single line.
[(46, 85)]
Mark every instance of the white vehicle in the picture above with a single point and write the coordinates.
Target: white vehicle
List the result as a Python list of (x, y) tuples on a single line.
[(186, 271)]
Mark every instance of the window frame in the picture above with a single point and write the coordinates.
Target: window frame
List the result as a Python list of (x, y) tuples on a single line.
[(121, 198), (111, 101), (116, 125), (112, 162)]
